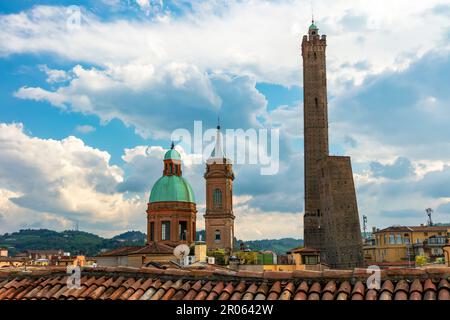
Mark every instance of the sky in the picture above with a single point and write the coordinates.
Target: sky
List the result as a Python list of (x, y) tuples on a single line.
[(88, 103)]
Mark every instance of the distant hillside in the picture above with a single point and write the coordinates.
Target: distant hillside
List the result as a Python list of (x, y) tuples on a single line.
[(280, 246), (89, 244), (75, 242)]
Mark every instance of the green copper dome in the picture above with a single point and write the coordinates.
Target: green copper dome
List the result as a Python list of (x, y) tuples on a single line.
[(313, 27), (172, 188), (172, 154)]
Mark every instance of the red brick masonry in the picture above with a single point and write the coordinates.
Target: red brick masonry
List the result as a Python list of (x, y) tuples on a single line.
[(221, 284)]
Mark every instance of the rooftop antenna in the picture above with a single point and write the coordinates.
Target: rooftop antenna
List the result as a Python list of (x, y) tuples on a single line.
[(365, 225), (312, 12), (429, 211)]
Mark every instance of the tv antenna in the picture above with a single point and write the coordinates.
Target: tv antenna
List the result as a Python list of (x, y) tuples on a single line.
[(365, 225), (429, 211)]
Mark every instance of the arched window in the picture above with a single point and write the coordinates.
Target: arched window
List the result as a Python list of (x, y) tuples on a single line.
[(217, 236), (217, 198)]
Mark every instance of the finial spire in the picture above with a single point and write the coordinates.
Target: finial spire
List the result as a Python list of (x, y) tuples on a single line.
[(172, 146), (218, 123)]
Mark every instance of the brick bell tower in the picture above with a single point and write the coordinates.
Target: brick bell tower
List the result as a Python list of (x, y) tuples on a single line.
[(315, 125), (219, 217)]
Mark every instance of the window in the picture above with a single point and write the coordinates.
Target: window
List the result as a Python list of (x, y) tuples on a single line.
[(217, 198), (182, 230), (391, 239), (399, 239), (152, 231), (316, 102), (310, 260), (165, 230), (217, 236)]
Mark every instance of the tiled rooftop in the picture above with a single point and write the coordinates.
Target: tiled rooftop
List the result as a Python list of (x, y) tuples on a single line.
[(221, 284)]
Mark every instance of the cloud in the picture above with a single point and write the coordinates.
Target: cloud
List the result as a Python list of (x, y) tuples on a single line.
[(53, 75), (401, 168), (84, 129), (145, 96), (61, 181), (233, 37)]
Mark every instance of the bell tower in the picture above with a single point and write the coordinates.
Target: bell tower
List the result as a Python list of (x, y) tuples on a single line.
[(315, 125), (219, 217)]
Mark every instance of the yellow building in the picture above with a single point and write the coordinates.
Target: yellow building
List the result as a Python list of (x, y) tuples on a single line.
[(402, 244), (298, 259)]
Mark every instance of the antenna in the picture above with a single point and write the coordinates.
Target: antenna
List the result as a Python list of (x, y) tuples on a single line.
[(218, 123), (429, 211), (365, 225), (312, 12)]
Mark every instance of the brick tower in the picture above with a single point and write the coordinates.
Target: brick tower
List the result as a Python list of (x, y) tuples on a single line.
[(331, 220), (219, 217), (315, 124)]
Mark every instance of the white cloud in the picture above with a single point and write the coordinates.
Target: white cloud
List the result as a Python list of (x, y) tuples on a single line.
[(244, 37), (61, 181), (53, 75), (145, 96), (85, 129)]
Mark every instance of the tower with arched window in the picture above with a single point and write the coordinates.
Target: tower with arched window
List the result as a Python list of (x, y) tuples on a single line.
[(219, 217)]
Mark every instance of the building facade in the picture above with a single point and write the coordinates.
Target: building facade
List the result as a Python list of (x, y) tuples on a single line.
[(331, 219), (402, 244), (171, 211), (219, 217)]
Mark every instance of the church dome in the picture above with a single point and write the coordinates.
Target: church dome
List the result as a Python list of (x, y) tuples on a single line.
[(172, 154), (172, 188)]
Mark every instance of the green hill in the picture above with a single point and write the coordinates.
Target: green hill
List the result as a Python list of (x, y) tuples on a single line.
[(89, 244), (75, 242), (279, 246)]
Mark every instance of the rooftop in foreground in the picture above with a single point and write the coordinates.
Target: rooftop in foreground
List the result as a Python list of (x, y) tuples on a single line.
[(215, 283)]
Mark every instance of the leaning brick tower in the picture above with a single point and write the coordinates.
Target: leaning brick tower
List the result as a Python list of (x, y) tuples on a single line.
[(315, 125)]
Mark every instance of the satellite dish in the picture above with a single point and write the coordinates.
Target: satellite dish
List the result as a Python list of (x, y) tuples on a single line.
[(181, 251)]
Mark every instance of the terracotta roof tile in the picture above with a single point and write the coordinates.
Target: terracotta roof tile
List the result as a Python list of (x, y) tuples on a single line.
[(262, 291), (172, 290), (162, 290), (215, 291), (152, 288), (238, 291), (429, 285), (358, 291), (182, 291), (193, 291), (250, 292), (204, 291), (329, 290), (227, 292), (371, 294), (287, 291), (151, 284), (401, 290), (274, 291)]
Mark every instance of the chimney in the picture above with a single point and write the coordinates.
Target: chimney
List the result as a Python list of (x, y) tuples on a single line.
[(200, 251)]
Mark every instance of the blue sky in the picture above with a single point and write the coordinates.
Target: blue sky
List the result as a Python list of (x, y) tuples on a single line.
[(79, 106)]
